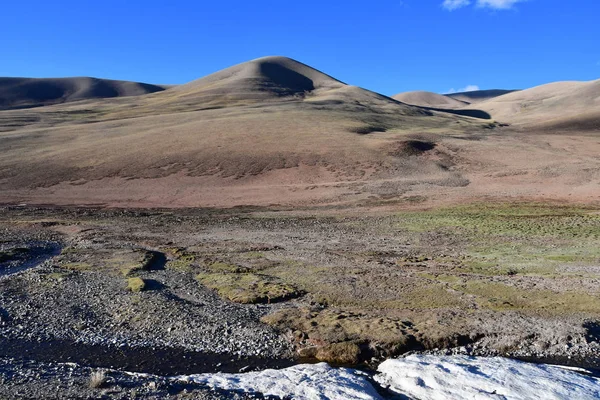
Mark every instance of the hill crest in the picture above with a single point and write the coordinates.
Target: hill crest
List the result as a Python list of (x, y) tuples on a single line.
[(429, 99), (33, 92)]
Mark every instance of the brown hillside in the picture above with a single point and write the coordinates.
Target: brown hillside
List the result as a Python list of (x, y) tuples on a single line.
[(271, 131), (429, 99), (32, 92), (560, 104), (477, 96)]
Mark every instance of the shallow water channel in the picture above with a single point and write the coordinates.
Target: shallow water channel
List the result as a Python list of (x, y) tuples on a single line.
[(15, 259)]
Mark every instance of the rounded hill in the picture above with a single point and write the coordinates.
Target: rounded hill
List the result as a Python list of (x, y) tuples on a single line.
[(32, 92)]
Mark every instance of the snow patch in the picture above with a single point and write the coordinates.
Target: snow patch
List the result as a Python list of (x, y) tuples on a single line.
[(422, 377), (462, 377), (309, 382)]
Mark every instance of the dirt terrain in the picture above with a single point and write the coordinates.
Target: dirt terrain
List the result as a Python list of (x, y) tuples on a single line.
[(273, 131), (248, 289)]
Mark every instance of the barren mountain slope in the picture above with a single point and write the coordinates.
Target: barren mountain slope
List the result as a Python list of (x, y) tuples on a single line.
[(429, 99), (270, 131), (561, 105), (477, 96), (31, 92)]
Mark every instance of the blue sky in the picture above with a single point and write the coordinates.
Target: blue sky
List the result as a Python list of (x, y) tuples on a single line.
[(388, 46)]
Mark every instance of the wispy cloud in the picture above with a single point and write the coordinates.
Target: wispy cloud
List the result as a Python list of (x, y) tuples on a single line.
[(498, 4), (468, 88), (455, 4), (494, 4)]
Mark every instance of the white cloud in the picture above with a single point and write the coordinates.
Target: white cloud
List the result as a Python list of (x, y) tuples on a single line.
[(454, 4), (468, 88), (494, 4), (498, 4)]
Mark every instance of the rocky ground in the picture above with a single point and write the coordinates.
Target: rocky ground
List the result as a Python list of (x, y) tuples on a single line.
[(36, 380), (193, 291)]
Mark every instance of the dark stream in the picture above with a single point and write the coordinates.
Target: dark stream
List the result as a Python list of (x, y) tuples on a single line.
[(157, 361), (157, 261), (17, 259)]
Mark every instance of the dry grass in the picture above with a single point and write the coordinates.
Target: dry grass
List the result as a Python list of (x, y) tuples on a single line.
[(97, 380), (339, 353)]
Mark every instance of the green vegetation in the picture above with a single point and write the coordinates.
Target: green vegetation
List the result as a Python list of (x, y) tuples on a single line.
[(77, 266), (136, 284), (142, 261), (520, 220), (248, 287), (184, 263), (253, 255), (499, 296), (221, 267), (508, 239), (69, 250), (180, 259), (440, 277)]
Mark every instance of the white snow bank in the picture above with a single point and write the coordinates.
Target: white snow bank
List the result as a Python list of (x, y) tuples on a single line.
[(462, 377), (418, 376), (318, 381)]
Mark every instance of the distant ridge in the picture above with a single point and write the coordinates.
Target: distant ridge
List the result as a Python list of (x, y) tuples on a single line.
[(560, 105), (477, 96), (429, 99), (34, 92)]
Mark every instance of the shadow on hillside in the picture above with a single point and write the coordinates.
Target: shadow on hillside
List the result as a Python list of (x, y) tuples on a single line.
[(466, 113), (286, 79)]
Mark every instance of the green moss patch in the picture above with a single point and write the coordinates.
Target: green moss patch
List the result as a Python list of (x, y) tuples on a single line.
[(136, 284), (499, 296), (506, 239), (77, 266), (141, 262), (222, 267), (248, 288)]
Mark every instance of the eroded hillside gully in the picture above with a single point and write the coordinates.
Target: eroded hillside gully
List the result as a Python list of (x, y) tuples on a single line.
[(180, 293)]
